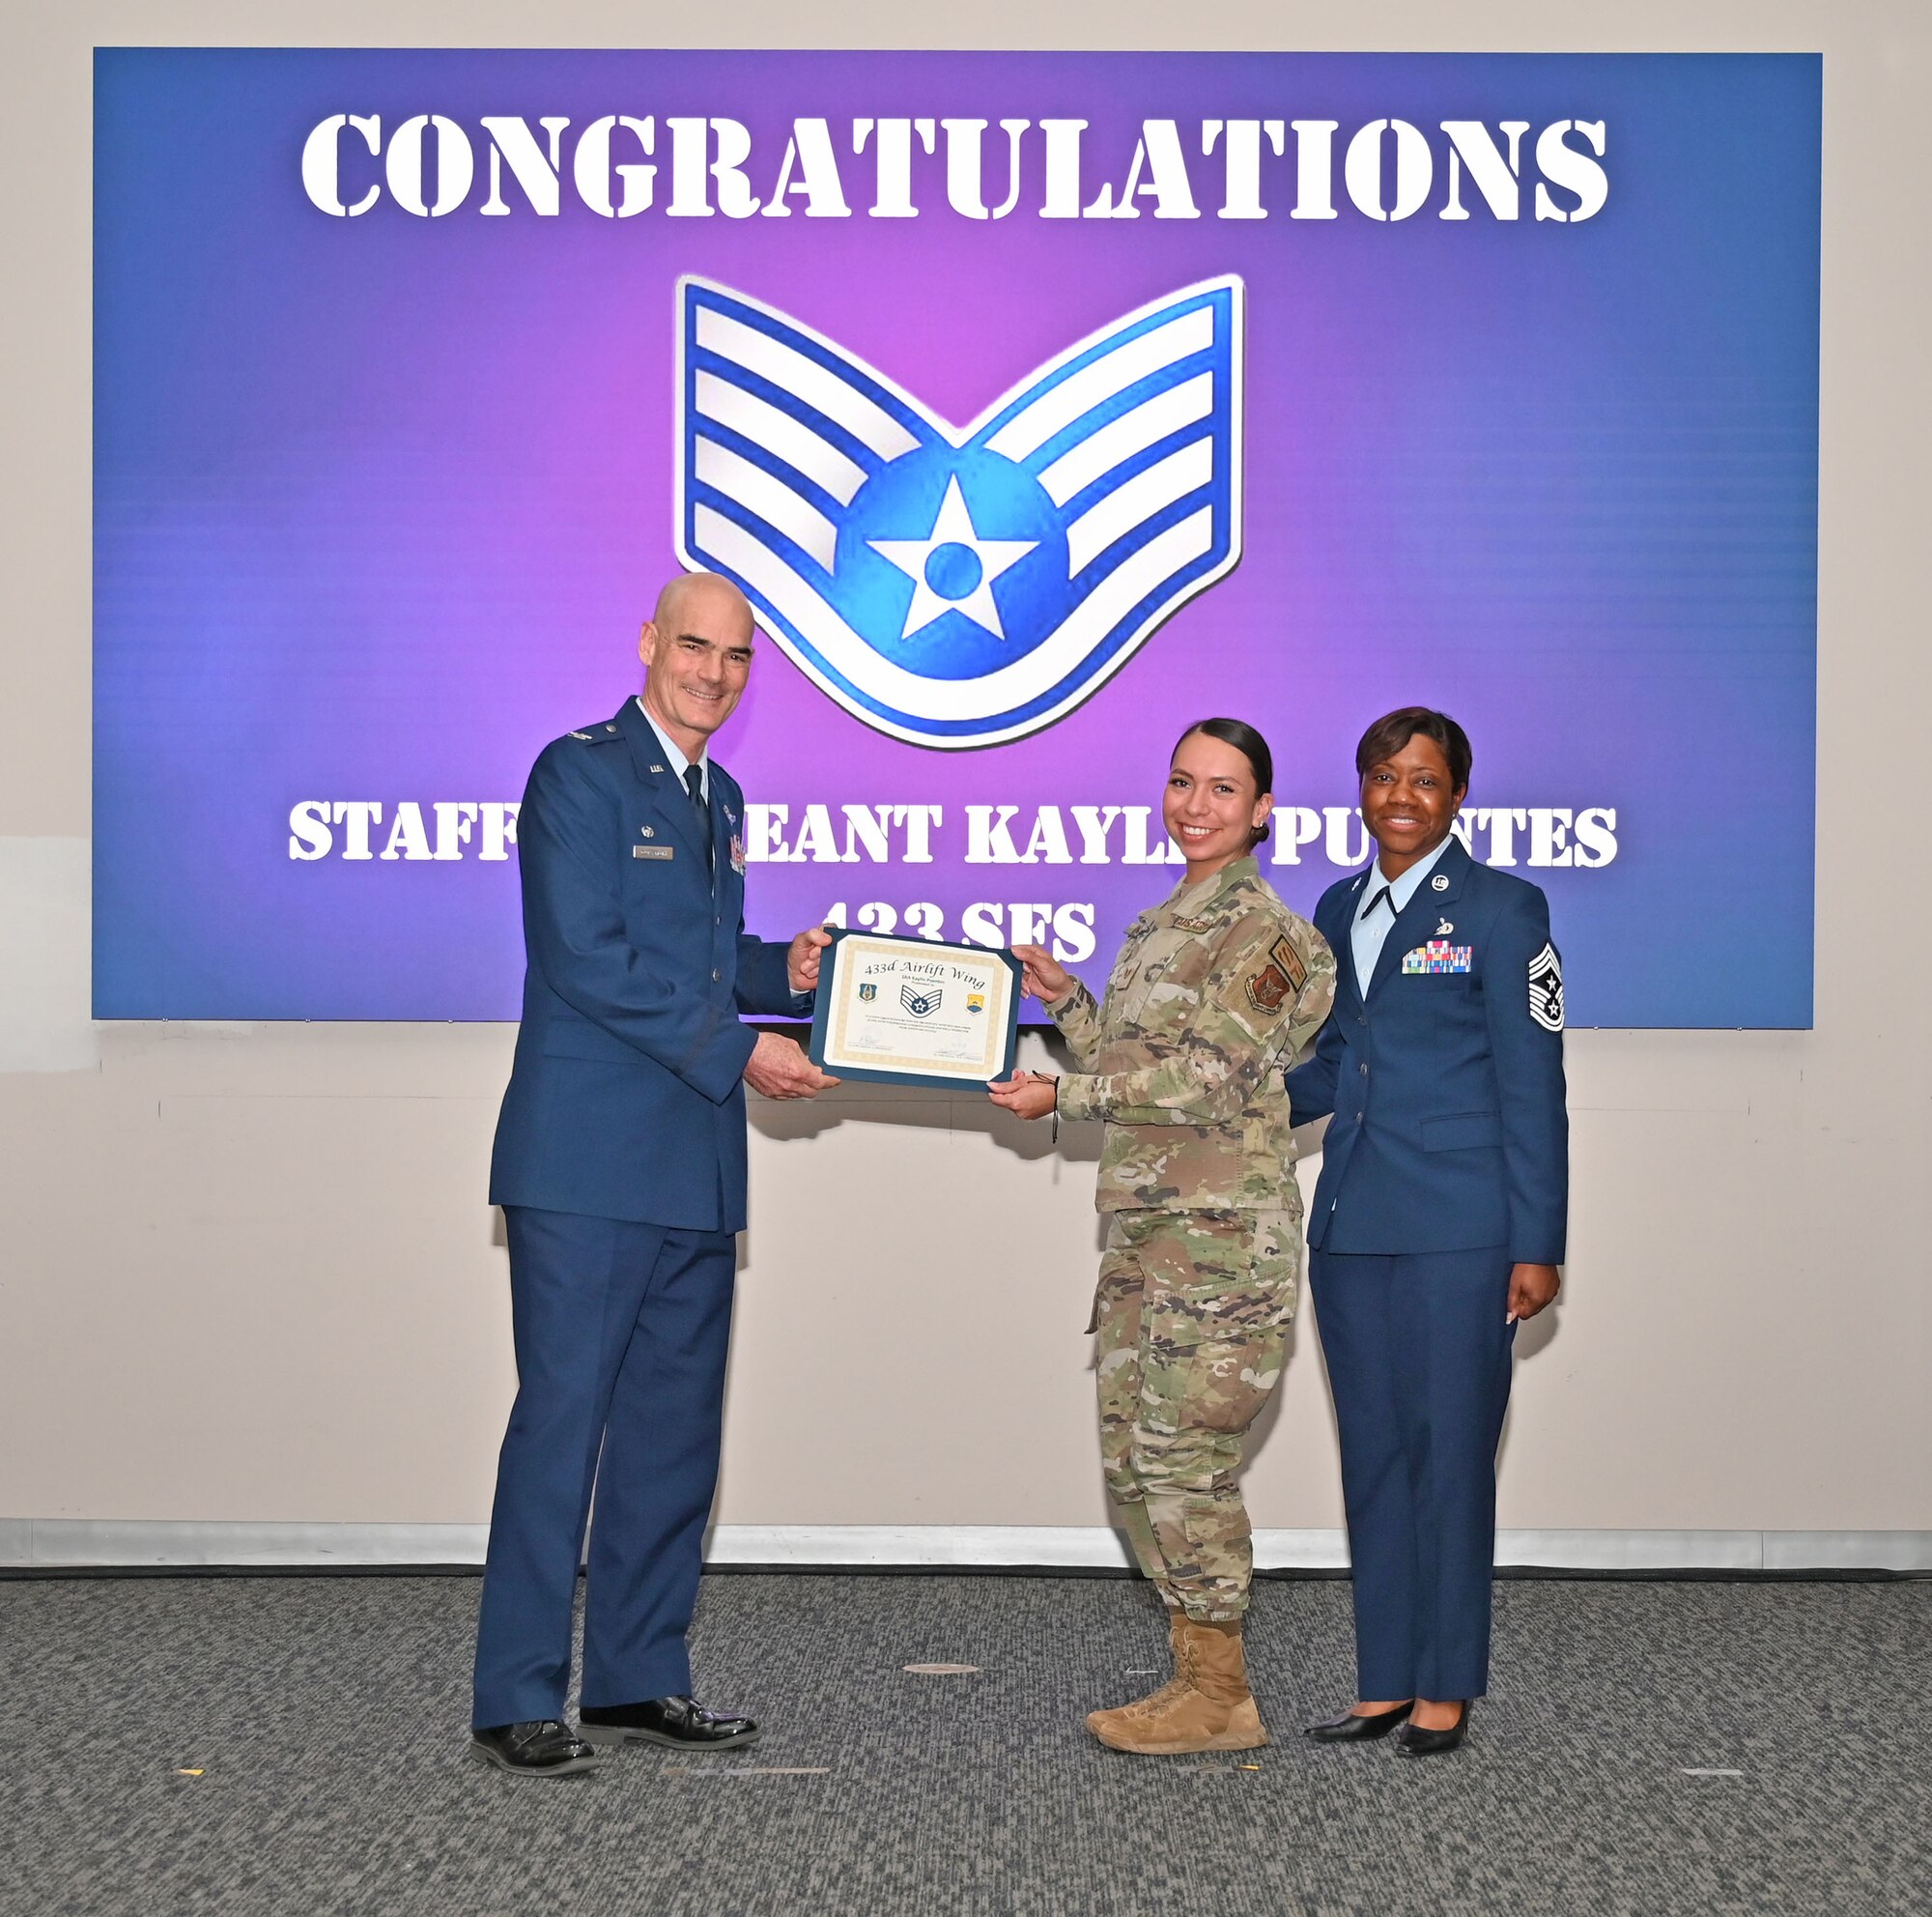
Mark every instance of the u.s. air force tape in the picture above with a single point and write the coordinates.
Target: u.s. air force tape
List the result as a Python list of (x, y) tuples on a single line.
[(1545, 989)]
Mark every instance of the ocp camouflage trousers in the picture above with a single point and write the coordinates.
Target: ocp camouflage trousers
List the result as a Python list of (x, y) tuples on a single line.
[(1190, 1316)]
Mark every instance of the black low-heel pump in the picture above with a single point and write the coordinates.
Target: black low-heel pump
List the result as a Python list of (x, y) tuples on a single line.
[(1416, 1743), (1357, 1727)]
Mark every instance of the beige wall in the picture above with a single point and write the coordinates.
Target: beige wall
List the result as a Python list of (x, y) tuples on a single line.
[(246, 1272)]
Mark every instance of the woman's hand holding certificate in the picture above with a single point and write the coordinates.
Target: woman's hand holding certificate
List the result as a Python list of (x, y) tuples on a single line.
[(1043, 976)]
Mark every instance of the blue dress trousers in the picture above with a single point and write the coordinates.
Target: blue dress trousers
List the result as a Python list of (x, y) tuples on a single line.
[(620, 1166), (1446, 1162)]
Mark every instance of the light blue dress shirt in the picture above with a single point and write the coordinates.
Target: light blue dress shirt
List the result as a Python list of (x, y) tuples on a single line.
[(1370, 930), (678, 762)]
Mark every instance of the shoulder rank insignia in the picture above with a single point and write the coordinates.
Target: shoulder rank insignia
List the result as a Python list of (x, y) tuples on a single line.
[(1545, 989), (584, 736)]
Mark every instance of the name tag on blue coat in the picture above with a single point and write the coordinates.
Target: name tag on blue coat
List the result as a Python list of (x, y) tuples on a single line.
[(1437, 956)]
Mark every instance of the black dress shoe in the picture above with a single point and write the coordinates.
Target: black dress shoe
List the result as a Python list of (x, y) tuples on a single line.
[(1357, 1727), (540, 1748), (1417, 1742), (682, 1723)]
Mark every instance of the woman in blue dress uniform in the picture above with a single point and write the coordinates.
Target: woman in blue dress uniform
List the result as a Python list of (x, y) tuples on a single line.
[(1438, 1221)]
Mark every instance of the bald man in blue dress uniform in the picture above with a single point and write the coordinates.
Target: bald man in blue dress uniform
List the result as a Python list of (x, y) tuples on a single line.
[(1438, 1218), (620, 1167)]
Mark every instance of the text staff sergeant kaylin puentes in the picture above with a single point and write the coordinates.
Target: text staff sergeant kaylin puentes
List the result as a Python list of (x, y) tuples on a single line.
[(620, 1168), (1214, 992)]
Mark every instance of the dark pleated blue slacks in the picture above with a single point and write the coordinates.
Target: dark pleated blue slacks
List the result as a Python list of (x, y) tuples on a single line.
[(1418, 1354), (622, 1332)]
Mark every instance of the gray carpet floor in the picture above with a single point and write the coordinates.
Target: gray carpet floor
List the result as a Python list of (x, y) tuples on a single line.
[(1647, 1747)]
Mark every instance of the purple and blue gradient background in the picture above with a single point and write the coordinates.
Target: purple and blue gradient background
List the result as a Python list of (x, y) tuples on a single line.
[(381, 502)]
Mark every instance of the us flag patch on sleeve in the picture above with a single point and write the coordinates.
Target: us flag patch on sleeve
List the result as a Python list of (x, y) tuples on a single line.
[(1545, 989)]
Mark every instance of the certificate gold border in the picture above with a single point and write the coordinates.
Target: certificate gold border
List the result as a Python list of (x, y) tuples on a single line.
[(858, 945)]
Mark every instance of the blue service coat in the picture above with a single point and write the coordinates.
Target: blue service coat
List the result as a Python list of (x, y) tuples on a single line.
[(1449, 1130), (627, 1097)]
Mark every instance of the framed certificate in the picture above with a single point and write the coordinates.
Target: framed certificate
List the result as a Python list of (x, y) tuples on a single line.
[(914, 1011)]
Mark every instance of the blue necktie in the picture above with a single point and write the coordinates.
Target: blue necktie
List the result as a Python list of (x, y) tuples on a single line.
[(694, 783)]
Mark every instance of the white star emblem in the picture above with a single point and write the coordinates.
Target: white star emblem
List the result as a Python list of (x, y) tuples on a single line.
[(966, 565)]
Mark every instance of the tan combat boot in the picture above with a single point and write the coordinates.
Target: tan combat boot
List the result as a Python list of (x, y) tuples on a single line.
[(1100, 1722), (1216, 1711)]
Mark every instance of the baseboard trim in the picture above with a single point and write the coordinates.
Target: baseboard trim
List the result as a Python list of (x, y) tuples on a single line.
[(134, 1544)]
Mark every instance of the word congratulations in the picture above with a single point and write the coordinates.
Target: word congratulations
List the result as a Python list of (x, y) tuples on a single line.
[(689, 167), (446, 830)]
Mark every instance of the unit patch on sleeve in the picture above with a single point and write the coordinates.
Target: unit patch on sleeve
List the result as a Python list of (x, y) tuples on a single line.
[(1268, 989), (1545, 989), (1280, 979)]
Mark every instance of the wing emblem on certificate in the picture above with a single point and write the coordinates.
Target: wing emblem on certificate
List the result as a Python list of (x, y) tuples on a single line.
[(914, 1011)]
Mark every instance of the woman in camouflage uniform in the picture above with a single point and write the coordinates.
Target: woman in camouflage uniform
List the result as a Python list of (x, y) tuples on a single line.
[(1214, 992)]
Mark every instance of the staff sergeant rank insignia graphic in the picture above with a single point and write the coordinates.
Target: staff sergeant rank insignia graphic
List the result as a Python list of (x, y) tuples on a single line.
[(921, 1004), (961, 586)]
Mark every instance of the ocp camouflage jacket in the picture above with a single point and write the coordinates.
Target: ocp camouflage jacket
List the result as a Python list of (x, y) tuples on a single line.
[(1214, 992)]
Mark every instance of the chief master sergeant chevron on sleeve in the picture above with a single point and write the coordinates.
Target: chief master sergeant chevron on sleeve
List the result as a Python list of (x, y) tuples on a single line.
[(620, 1166)]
